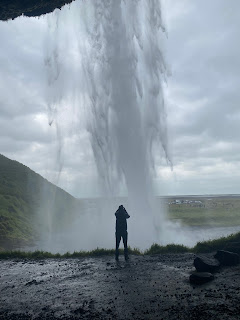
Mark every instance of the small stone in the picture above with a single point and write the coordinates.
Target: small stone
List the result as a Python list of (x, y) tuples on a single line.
[(31, 282)]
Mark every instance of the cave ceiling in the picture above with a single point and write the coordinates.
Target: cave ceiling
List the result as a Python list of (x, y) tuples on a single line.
[(11, 9)]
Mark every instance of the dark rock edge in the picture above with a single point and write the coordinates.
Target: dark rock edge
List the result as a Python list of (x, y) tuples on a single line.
[(11, 9)]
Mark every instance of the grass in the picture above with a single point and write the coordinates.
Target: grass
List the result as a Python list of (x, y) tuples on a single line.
[(76, 254), (219, 211), (200, 247), (217, 244), (169, 248)]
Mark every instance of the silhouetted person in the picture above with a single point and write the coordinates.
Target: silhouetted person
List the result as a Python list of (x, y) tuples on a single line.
[(121, 230)]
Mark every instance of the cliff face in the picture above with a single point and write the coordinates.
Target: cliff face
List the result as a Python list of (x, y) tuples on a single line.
[(11, 9)]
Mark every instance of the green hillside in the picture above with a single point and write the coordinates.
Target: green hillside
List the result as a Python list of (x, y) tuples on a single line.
[(29, 204)]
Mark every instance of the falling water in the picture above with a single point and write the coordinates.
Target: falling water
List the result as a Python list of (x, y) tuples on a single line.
[(124, 70), (118, 83)]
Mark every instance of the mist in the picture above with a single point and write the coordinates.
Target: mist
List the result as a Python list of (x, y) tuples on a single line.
[(105, 66)]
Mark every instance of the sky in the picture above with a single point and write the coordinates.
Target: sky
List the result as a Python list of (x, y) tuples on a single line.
[(201, 94)]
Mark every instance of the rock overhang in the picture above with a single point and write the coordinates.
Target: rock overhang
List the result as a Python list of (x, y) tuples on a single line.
[(11, 9)]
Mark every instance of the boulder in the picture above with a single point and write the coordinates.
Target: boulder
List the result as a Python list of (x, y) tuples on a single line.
[(201, 277), (227, 258), (205, 264)]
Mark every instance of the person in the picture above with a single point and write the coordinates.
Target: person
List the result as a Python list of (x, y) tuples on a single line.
[(121, 230)]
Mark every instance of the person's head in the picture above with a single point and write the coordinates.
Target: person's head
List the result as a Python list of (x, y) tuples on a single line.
[(120, 207)]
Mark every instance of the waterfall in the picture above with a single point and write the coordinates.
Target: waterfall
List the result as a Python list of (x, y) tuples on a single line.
[(115, 47)]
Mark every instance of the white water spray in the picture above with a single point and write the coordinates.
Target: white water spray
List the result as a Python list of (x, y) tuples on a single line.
[(124, 70), (120, 73)]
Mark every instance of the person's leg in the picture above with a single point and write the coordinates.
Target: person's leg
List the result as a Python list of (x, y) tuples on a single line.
[(118, 239), (125, 236)]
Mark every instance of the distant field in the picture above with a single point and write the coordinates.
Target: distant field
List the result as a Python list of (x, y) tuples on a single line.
[(201, 211)]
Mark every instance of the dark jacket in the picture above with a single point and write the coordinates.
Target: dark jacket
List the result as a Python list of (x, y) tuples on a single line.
[(121, 219)]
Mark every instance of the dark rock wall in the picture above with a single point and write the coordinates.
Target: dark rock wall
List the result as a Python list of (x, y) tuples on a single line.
[(11, 9)]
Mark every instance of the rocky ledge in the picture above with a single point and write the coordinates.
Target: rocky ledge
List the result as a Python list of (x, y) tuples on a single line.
[(11, 9), (145, 287)]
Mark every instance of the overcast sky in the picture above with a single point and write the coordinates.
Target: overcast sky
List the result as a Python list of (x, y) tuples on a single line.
[(202, 98)]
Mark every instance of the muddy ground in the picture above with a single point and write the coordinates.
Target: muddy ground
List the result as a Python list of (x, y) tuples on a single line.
[(146, 287)]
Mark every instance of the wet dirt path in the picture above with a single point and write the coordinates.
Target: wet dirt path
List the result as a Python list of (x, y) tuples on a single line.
[(146, 287)]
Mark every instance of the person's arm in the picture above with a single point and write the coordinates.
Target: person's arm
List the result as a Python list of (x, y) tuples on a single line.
[(126, 214)]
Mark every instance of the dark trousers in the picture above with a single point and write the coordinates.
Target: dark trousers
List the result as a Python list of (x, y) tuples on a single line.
[(124, 236)]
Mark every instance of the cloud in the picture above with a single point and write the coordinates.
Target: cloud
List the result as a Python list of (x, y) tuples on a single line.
[(202, 94)]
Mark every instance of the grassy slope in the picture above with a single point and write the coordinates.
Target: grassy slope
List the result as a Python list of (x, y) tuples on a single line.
[(23, 193)]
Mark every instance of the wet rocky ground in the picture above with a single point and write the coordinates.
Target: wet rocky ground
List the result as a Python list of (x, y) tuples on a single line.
[(146, 287)]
